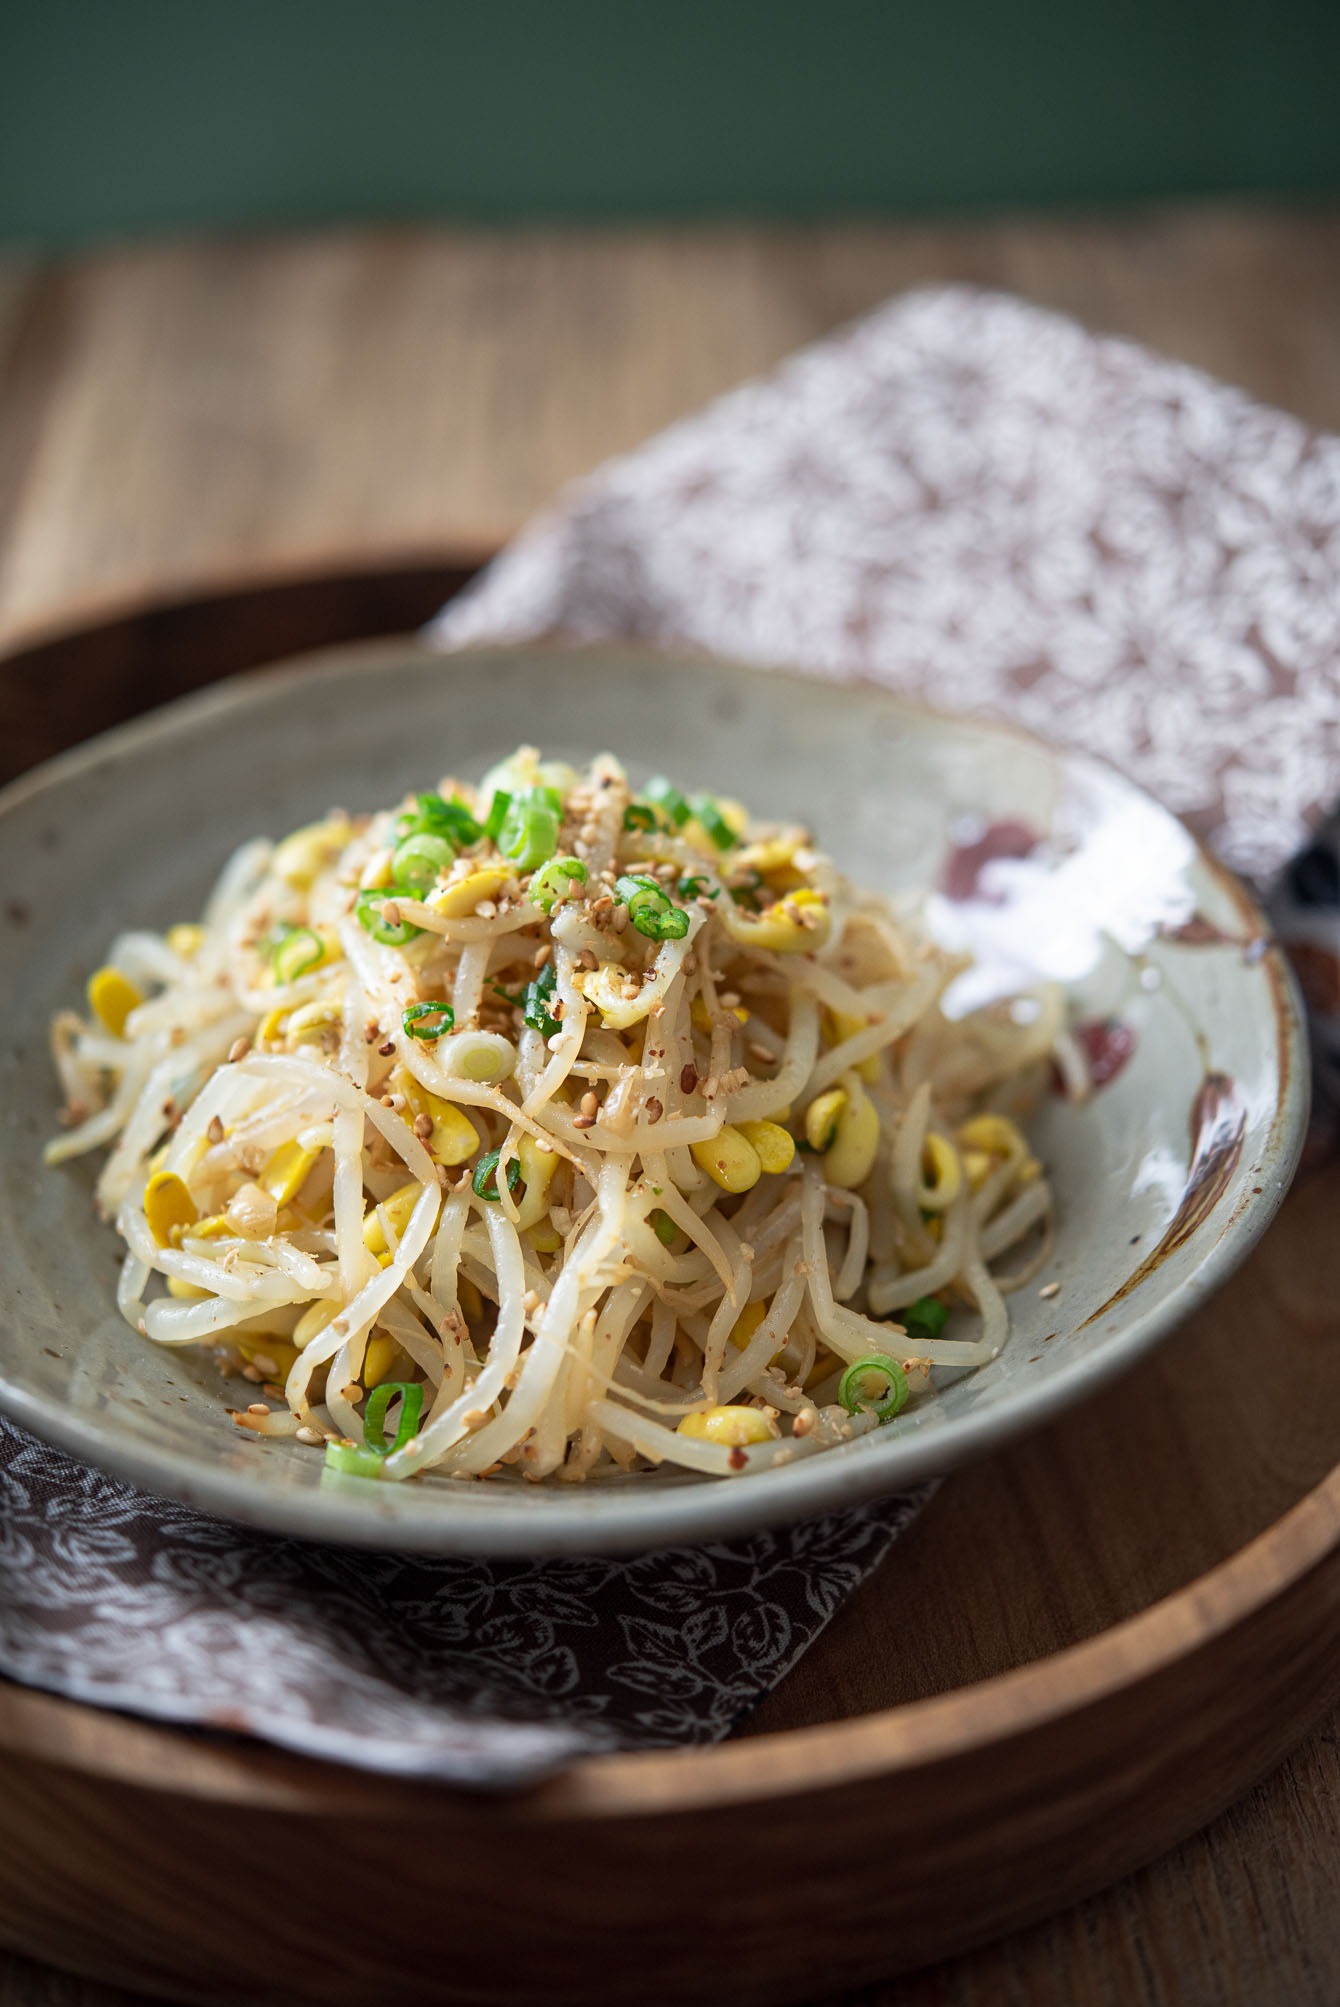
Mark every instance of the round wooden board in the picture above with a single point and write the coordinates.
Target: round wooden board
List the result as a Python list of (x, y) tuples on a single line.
[(1087, 1646)]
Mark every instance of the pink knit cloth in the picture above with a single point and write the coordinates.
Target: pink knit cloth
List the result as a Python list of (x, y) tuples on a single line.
[(981, 504)]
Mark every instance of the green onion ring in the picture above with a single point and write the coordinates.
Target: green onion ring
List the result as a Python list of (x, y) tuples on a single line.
[(421, 859), (555, 880), (374, 1414), (368, 909), (354, 1460), (417, 1021), (299, 951), (886, 1406)]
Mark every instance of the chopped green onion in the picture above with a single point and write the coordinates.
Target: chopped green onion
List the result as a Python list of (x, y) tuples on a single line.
[(855, 1394), (299, 951), (353, 1460), (410, 1395), (555, 880), (432, 816), (671, 925), (694, 887), (528, 832), (485, 1179), (368, 908), (667, 796), (639, 815), (535, 1002), (664, 1226), (649, 907), (714, 822), (498, 808), (427, 1020), (926, 1318), (420, 860)]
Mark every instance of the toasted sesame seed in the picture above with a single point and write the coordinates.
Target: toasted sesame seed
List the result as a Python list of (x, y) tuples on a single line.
[(214, 1133), (655, 1108), (583, 1121), (257, 1408), (312, 1438), (590, 1104), (386, 1050), (423, 1127), (1049, 1290), (239, 1049), (250, 1373)]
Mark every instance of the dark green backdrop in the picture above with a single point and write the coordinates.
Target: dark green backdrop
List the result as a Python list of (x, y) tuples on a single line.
[(121, 116)]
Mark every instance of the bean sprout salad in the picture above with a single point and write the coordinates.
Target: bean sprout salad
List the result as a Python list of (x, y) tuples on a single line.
[(558, 1129)]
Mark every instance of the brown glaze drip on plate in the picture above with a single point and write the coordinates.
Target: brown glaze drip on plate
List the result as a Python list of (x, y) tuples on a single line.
[(1198, 932), (1218, 1125), (1107, 1043), (966, 862)]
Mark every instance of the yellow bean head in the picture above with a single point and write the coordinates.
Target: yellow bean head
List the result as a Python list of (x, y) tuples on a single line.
[(733, 1426), (850, 1157), (167, 1205), (459, 899), (111, 998), (774, 1146), (942, 1174), (822, 1118), (796, 924), (309, 851), (729, 1160)]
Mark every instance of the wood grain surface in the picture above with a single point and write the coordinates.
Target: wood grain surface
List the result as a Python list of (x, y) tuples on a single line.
[(180, 416), (193, 415)]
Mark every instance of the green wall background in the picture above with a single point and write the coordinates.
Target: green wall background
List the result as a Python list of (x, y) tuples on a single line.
[(119, 117)]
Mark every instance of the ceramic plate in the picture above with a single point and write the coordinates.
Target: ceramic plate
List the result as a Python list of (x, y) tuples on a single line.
[(1042, 862)]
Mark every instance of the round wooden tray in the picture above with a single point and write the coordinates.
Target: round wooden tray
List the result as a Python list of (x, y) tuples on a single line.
[(1087, 1646)]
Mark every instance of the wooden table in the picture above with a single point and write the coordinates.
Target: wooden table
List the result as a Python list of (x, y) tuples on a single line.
[(181, 418)]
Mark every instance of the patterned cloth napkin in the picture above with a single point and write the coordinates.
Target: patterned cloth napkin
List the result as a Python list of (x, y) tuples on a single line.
[(976, 502), (981, 504), (484, 1674)]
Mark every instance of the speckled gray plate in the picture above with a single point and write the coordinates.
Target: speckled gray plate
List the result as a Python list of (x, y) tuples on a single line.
[(1164, 1179)]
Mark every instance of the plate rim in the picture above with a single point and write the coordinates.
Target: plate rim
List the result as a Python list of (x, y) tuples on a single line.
[(694, 1513)]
